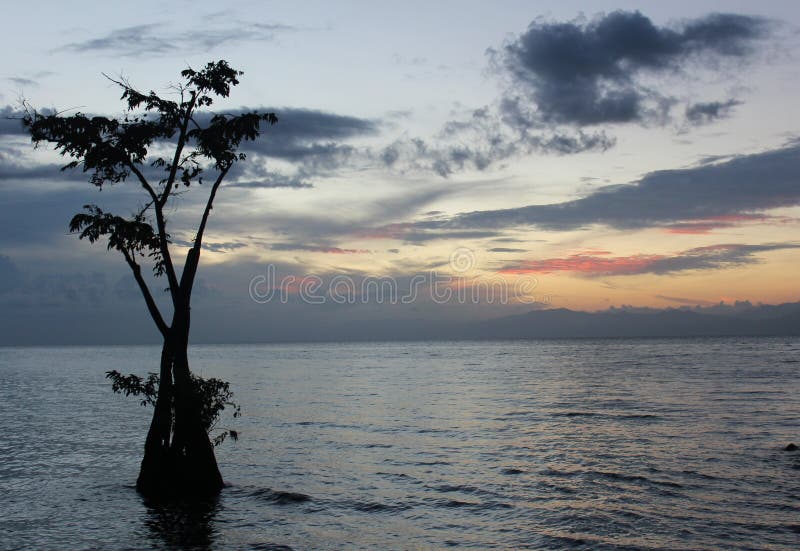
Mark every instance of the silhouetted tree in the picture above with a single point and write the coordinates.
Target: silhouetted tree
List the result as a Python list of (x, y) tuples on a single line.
[(181, 144)]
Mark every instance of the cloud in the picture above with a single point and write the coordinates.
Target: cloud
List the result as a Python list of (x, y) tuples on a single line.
[(30, 80), (222, 247), (741, 185), (254, 174), (159, 39), (507, 250), (704, 113), (312, 140), (10, 170), (315, 248), (687, 301), (492, 138), (589, 73), (297, 125), (706, 226), (713, 257), (412, 233), (22, 81)]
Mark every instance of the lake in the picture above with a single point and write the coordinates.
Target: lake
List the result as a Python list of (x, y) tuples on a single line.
[(571, 444)]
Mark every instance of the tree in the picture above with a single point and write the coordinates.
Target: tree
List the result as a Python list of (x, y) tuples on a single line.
[(180, 143)]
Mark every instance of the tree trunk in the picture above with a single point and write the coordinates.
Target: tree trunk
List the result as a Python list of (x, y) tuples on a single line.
[(196, 465), (154, 474), (179, 457)]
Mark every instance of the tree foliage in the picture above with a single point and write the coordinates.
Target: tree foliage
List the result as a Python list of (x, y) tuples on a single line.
[(113, 151), (214, 394)]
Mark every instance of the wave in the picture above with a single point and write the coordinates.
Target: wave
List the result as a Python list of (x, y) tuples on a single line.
[(279, 497), (268, 547), (602, 415)]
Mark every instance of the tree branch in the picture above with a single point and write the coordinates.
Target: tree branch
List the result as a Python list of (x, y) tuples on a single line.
[(193, 257), (152, 307), (172, 278), (178, 150)]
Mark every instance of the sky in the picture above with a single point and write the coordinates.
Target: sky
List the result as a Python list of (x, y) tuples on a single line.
[(455, 161)]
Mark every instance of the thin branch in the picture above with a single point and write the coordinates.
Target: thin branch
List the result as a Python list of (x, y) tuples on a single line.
[(172, 278), (152, 307), (142, 180), (178, 149)]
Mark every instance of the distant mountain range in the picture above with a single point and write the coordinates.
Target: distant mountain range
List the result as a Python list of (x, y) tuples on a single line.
[(783, 319), (740, 319)]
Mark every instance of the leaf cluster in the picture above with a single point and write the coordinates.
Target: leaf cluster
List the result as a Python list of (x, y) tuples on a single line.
[(131, 237), (214, 395)]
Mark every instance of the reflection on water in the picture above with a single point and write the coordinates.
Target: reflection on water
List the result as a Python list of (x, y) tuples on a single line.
[(182, 524), (607, 444)]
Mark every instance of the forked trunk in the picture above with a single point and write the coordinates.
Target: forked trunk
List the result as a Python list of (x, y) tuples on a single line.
[(178, 457)]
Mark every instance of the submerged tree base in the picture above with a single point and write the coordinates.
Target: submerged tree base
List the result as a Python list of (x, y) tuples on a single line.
[(179, 456), (178, 481)]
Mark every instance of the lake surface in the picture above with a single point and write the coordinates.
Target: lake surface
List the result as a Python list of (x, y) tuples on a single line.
[(605, 444)]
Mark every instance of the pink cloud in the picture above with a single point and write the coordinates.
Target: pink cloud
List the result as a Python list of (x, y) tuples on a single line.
[(586, 264), (707, 225)]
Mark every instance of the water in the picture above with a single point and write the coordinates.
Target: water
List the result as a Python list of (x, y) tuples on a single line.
[(608, 444)]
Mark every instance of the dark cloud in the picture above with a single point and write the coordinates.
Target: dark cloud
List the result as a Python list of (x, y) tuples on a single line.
[(507, 250), (741, 185), (297, 125), (589, 73), (10, 170), (312, 140), (704, 113), (22, 81), (715, 257), (159, 38)]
